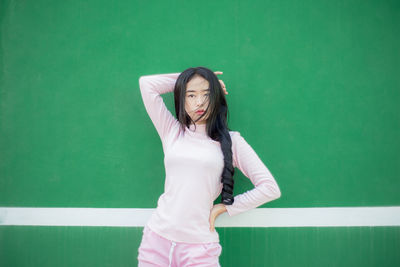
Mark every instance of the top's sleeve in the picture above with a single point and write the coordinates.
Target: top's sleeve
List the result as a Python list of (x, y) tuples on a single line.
[(266, 189), (151, 88)]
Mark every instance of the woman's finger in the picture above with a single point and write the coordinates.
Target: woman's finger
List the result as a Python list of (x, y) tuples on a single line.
[(223, 84), (212, 218)]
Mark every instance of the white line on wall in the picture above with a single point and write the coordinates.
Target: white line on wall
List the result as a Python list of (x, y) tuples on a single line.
[(260, 217)]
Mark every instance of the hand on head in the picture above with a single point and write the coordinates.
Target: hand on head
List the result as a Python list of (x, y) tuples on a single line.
[(221, 82)]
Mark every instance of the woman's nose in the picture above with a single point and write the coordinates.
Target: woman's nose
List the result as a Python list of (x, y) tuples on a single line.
[(200, 101)]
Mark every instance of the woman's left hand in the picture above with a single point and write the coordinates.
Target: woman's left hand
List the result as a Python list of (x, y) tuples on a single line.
[(215, 211)]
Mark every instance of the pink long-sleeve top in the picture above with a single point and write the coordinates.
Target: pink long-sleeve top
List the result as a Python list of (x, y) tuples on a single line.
[(193, 166)]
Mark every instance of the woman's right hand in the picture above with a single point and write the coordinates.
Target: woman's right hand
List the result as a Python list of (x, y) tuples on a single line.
[(221, 82)]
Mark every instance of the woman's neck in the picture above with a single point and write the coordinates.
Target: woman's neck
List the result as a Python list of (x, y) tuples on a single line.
[(198, 128)]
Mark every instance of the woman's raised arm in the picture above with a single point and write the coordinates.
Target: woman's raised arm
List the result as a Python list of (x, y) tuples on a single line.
[(151, 88)]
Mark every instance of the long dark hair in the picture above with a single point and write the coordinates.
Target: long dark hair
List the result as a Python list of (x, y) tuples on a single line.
[(216, 125)]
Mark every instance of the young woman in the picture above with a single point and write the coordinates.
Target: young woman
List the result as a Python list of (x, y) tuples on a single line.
[(200, 156)]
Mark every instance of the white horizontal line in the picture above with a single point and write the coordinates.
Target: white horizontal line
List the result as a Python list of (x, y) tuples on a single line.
[(260, 217)]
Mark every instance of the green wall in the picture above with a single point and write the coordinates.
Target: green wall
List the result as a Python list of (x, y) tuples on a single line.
[(313, 87)]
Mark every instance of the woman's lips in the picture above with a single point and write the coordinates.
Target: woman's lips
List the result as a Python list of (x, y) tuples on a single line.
[(200, 111)]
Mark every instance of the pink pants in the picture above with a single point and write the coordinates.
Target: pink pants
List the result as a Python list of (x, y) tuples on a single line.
[(155, 250)]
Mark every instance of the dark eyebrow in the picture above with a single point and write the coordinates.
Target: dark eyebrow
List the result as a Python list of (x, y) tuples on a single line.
[(188, 91)]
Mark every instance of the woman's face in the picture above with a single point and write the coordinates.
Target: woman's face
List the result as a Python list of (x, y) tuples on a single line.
[(197, 98)]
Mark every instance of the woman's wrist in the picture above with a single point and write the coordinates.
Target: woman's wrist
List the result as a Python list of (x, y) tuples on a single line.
[(224, 207)]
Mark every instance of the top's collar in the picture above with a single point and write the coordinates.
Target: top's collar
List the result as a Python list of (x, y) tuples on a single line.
[(198, 128)]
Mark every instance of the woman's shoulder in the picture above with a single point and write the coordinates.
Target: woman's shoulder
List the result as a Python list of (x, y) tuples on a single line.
[(237, 139), (235, 135)]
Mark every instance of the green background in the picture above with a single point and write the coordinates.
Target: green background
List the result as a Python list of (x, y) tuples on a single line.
[(313, 88)]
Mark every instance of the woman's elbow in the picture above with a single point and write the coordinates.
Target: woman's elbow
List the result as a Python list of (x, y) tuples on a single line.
[(277, 190), (271, 190), (142, 80)]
